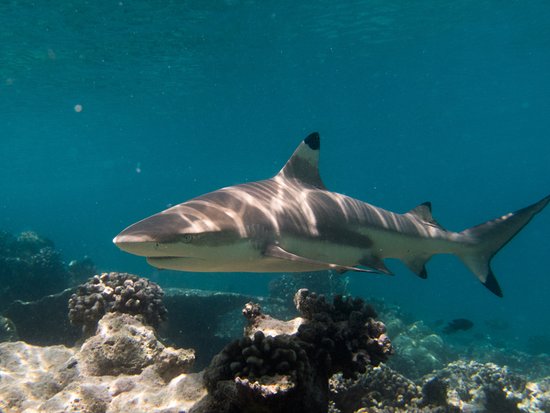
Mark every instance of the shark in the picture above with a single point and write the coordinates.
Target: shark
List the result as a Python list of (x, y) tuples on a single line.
[(293, 223)]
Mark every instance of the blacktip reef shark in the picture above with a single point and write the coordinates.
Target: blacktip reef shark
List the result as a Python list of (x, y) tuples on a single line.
[(292, 223)]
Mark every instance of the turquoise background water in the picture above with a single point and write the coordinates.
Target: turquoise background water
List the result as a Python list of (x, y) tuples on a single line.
[(443, 101)]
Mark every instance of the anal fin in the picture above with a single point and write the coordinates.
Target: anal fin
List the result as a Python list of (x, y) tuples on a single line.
[(276, 251)]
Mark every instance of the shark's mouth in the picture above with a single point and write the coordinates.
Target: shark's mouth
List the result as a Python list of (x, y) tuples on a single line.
[(170, 257), (176, 263)]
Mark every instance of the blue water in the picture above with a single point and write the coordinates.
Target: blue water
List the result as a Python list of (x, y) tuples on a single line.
[(443, 101)]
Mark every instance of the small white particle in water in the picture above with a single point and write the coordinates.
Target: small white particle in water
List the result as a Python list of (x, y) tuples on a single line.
[(138, 168), (78, 108)]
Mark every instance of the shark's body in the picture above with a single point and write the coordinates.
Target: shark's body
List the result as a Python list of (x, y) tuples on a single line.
[(292, 223)]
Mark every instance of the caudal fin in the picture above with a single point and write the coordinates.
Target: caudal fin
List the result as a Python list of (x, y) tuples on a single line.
[(488, 238)]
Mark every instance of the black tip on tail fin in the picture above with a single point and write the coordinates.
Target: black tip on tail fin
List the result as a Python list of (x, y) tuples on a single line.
[(492, 284), (487, 239)]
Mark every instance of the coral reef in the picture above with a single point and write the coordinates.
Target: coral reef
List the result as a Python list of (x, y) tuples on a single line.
[(280, 367), (473, 385), (116, 292), (46, 322), (29, 260), (379, 389), (26, 260), (460, 387), (327, 359), (149, 377), (418, 351)]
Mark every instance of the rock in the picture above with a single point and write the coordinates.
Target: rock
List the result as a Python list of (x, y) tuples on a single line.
[(124, 345), (31, 374), (148, 378)]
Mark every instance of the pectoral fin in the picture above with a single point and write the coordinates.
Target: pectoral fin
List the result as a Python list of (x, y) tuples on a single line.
[(276, 251), (376, 263)]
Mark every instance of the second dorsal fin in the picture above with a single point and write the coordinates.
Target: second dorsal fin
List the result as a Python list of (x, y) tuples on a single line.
[(424, 213)]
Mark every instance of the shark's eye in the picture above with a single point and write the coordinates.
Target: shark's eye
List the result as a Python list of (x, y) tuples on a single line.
[(187, 238)]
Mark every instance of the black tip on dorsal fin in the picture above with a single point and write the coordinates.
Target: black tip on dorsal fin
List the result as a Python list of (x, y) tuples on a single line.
[(313, 140), (303, 165)]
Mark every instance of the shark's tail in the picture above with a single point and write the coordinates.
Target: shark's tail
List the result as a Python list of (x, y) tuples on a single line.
[(488, 238)]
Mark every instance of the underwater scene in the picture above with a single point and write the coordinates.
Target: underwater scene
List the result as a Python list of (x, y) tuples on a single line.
[(274, 206)]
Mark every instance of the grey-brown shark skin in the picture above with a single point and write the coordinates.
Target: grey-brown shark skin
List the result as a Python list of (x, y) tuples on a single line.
[(292, 223)]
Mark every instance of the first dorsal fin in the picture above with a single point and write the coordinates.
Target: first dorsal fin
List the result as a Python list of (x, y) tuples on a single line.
[(424, 213), (303, 165)]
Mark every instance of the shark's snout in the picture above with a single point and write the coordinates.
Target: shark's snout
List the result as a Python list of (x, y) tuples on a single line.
[(122, 239), (134, 244), (152, 237)]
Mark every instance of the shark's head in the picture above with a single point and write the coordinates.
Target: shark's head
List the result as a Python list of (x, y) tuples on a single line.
[(228, 229), (188, 236), (156, 236)]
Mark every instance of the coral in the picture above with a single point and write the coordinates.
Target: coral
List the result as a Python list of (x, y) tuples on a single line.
[(379, 389), (116, 292), (27, 261), (472, 385), (45, 321), (125, 368), (286, 365), (459, 387), (29, 243), (269, 372), (123, 345), (343, 334), (418, 350)]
